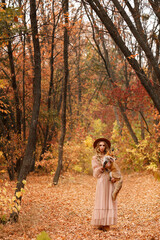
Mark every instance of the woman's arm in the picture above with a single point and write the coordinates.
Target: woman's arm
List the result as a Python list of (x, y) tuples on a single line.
[(97, 168)]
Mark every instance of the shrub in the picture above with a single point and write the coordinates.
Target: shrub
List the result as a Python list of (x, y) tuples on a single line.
[(135, 157)]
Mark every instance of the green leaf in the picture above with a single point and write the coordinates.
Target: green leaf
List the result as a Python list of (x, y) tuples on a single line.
[(43, 236)]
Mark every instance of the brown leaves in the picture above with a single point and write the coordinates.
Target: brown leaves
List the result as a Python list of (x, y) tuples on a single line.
[(132, 56), (15, 18), (64, 211)]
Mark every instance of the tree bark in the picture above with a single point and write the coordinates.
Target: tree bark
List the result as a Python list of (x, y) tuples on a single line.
[(65, 81)]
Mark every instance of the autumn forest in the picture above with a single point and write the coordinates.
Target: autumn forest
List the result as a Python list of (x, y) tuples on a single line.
[(71, 72)]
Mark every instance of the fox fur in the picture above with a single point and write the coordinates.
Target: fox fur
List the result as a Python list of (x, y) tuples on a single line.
[(114, 172)]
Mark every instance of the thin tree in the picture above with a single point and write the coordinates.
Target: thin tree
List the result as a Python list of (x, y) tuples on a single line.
[(51, 84), (64, 87)]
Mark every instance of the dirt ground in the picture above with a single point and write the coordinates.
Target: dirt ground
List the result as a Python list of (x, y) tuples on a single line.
[(64, 211)]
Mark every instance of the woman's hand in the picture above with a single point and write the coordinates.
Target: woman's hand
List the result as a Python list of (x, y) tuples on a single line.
[(102, 170), (113, 180)]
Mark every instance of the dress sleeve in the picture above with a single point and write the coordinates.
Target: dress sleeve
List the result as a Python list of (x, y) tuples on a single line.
[(97, 168)]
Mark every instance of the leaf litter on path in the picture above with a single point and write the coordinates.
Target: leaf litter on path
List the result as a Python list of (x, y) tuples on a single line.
[(64, 211)]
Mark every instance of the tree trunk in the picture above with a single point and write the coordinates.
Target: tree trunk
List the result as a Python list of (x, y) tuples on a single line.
[(142, 127), (28, 40), (120, 125), (15, 89), (50, 92), (70, 112), (65, 81), (24, 108), (28, 157), (133, 135), (78, 53)]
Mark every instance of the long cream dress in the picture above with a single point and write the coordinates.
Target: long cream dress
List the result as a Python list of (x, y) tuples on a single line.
[(105, 209)]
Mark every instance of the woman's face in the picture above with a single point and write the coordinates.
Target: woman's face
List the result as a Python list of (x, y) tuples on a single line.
[(102, 147)]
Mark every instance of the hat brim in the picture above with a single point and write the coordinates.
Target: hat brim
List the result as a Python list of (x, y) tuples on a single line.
[(101, 140)]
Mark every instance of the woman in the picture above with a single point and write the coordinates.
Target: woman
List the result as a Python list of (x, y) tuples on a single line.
[(105, 209)]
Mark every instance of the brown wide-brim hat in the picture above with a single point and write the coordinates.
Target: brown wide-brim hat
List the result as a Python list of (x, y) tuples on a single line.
[(101, 140)]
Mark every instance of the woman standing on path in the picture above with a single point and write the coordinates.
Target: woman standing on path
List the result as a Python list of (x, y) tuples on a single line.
[(105, 209)]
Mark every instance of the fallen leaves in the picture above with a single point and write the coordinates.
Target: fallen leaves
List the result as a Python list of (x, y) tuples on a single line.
[(64, 211)]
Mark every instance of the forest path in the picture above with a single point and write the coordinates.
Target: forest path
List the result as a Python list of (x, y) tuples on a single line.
[(64, 211)]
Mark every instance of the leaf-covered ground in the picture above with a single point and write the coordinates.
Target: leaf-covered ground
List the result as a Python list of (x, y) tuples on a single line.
[(64, 211)]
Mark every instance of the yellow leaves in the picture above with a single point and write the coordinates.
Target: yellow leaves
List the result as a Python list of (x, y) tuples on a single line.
[(16, 208), (88, 142), (77, 168), (43, 235), (1, 153), (9, 203), (14, 198), (24, 182), (152, 166), (6, 184), (18, 194), (3, 109), (98, 127), (4, 190), (131, 150), (132, 156)]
